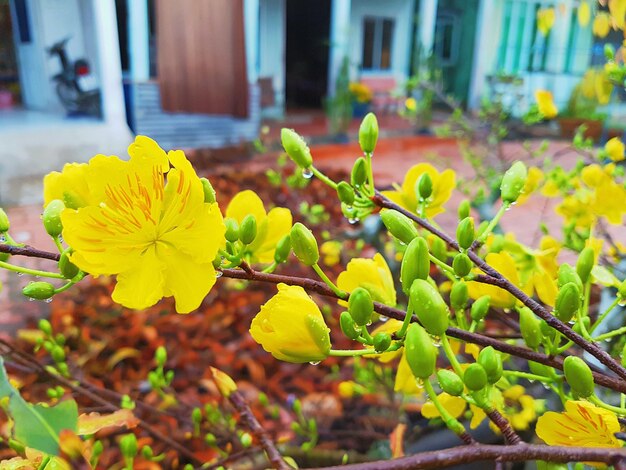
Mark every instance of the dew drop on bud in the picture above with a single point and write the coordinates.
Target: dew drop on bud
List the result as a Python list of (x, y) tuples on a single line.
[(48, 300), (307, 173), (314, 363), (218, 274)]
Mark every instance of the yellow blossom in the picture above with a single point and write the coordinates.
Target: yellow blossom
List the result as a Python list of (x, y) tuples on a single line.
[(291, 327), (410, 104), (603, 87), (575, 208), (505, 264), (346, 389), (443, 184), (617, 10), (584, 14), (331, 252), (580, 425), (453, 405), (371, 274), (545, 20), (406, 382), (533, 181), (601, 24), (545, 103), (272, 226), (614, 148), (158, 237)]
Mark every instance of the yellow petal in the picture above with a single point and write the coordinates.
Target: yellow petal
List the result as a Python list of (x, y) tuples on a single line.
[(584, 14), (187, 280), (453, 405), (244, 203), (141, 286), (278, 222)]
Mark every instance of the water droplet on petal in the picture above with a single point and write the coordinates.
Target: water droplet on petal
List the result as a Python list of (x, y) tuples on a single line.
[(218, 274), (307, 173), (314, 363)]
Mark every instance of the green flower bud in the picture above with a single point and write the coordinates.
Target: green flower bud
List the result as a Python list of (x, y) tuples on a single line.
[(247, 229), (465, 209), (296, 148), (246, 440), (491, 361), (624, 356), (52, 217), (39, 290), (66, 267), (232, 230), (462, 265), (345, 193), (578, 376), (429, 307), (540, 369), (160, 356), (368, 133), (209, 192), (465, 232), (530, 327), (424, 187), (568, 274), (347, 326), (450, 382), (147, 452), (304, 245), (609, 51), (4, 221), (459, 295), (421, 353), (399, 225), (45, 327), (128, 446), (359, 172), (196, 415), (513, 182), (475, 377), (567, 302), (382, 341), (584, 265), (439, 249), (547, 330), (283, 247), (480, 308), (361, 306), (58, 354), (415, 263)]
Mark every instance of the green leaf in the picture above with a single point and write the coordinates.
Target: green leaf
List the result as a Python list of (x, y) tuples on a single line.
[(37, 426)]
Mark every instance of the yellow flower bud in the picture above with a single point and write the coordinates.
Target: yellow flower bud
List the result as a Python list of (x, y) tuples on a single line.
[(614, 148), (304, 245), (296, 148), (291, 327)]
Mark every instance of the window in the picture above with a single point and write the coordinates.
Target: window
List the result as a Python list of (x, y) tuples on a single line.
[(377, 37), (447, 38)]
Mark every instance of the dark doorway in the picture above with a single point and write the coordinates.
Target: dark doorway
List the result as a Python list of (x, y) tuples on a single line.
[(308, 40)]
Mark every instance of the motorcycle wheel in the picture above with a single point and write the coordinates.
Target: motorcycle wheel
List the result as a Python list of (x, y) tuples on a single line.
[(69, 97)]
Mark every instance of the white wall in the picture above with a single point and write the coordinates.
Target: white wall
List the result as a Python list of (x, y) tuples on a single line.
[(402, 11)]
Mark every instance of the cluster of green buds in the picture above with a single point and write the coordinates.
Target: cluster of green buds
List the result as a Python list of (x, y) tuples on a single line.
[(55, 346), (304, 427), (158, 378), (128, 448), (238, 237)]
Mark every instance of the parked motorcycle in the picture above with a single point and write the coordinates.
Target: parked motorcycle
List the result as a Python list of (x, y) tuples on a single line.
[(74, 98)]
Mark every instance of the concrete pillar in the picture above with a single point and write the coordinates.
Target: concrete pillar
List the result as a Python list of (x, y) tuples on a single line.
[(138, 40), (251, 26), (559, 37), (427, 20), (339, 39), (109, 64)]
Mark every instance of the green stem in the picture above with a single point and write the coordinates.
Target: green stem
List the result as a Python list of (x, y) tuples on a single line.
[(615, 409), (351, 352), (452, 423), (57, 242), (64, 287), (603, 316), (338, 292), (325, 179), (610, 334), (528, 376), (494, 222), (366, 335), (370, 173), (270, 268), (407, 321), (447, 349), (444, 267), (31, 272)]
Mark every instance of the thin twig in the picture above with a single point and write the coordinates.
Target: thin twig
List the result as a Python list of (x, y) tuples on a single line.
[(510, 436)]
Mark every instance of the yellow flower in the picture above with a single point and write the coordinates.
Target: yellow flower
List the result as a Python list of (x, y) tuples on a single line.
[(545, 20), (410, 104), (580, 425), (505, 264), (406, 382), (291, 327), (533, 181), (617, 9), (331, 252), (519, 408), (614, 148), (158, 237), (346, 389), (271, 227), (371, 274), (453, 405), (601, 24), (603, 87), (361, 92), (584, 14), (443, 184), (545, 103)]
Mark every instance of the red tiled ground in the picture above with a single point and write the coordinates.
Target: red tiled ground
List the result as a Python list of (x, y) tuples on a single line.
[(392, 159)]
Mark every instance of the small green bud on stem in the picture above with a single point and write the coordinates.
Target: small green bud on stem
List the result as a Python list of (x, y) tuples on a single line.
[(209, 192), (578, 376), (361, 306), (382, 341), (345, 193), (464, 210), (415, 263), (296, 148), (429, 306), (462, 265), (66, 267), (359, 172), (39, 290), (530, 327), (399, 225), (4, 221), (475, 377), (480, 308), (459, 295), (567, 302), (513, 183), (450, 382), (491, 361), (248, 229), (585, 263), (304, 245), (465, 232), (421, 353), (283, 247), (368, 133), (347, 326), (424, 187), (52, 217)]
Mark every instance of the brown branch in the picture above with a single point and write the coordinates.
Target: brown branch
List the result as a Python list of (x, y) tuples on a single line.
[(246, 415), (28, 251), (480, 452), (510, 436), (496, 278)]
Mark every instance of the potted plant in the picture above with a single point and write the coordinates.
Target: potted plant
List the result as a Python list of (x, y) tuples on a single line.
[(339, 106), (361, 99), (593, 91)]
